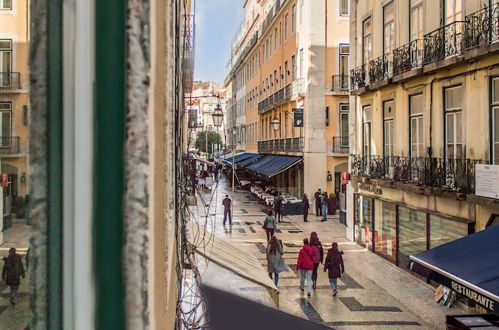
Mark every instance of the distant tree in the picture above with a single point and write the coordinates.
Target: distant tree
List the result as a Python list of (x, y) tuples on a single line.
[(213, 138)]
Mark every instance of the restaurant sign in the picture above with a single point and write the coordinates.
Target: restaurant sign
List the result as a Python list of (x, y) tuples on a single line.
[(478, 298)]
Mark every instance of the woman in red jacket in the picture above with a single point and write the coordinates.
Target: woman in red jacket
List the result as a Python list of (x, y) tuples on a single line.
[(334, 265), (305, 266), (317, 256)]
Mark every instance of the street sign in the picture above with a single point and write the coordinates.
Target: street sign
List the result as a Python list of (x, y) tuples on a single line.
[(298, 117), (345, 177), (487, 180)]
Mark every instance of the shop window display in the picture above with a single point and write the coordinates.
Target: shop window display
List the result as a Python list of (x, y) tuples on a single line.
[(412, 234), (385, 229), (444, 230), (364, 223)]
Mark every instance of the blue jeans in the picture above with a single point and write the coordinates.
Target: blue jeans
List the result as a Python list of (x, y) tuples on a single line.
[(324, 212), (334, 283), (13, 291), (276, 278), (306, 274)]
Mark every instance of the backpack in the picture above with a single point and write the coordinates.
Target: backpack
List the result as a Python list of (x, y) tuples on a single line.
[(316, 255)]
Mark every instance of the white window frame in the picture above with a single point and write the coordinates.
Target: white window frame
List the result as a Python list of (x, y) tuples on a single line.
[(494, 107), (453, 112), (3, 8), (340, 8), (419, 119)]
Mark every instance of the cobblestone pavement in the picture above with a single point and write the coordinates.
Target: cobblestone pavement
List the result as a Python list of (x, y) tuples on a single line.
[(373, 293), (15, 317)]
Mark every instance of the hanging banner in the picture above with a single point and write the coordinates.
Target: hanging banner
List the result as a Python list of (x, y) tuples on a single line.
[(298, 117)]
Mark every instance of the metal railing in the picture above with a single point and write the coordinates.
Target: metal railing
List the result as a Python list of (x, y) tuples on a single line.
[(10, 80), (285, 145), (358, 77), (272, 101), (482, 27), (408, 57), (340, 83), (450, 174), (379, 69), (9, 145), (444, 42), (341, 144)]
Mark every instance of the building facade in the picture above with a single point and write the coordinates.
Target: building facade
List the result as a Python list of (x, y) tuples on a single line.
[(200, 105), (14, 102), (424, 82), (291, 64)]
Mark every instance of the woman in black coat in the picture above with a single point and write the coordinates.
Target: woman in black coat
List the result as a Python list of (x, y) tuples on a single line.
[(335, 267), (306, 207)]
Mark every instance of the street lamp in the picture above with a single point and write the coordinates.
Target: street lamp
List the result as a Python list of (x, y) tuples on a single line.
[(217, 116), (276, 123)]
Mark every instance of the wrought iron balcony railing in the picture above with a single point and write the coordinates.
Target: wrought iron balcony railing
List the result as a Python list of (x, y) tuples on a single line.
[(340, 83), (444, 42), (379, 69), (10, 80), (284, 145), (451, 174), (341, 145), (408, 57), (358, 77), (482, 27), (9, 145)]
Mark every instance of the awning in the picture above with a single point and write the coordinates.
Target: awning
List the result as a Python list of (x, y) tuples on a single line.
[(249, 161), (271, 165), (227, 311), (239, 157), (231, 258), (469, 266)]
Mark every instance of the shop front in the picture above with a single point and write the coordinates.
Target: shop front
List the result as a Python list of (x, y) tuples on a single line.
[(396, 231)]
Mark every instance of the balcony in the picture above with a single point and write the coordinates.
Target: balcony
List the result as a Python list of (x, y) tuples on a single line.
[(281, 145), (482, 27), (9, 146), (379, 69), (457, 175), (408, 57), (10, 81), (272, 101), (358, 77), (340, 84), (444, 42), (341, 145)]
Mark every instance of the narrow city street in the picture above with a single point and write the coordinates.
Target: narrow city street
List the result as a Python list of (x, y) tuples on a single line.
[(373, 294)]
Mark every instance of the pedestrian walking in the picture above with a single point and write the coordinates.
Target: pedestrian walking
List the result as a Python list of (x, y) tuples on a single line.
[(275, 262), (318, 204), (306, 206), (270, 225), (335, 266), (324, 201), (317, 256), (227, 203), (278, 207), (305, 266), (11, 273)]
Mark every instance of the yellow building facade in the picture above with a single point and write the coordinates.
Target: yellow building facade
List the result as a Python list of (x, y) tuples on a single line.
[(14, 97), (289, 72), (423, 81)]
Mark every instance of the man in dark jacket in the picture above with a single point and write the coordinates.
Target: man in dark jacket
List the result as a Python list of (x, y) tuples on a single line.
[(306, 206), (318, 206), (11, 273), (278, 207), (227, 203), (335, 267)]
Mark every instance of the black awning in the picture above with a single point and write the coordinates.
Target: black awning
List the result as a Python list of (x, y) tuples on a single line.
[(239, 157), (231, 312), (249, 161), (271, 165), (469, 266)]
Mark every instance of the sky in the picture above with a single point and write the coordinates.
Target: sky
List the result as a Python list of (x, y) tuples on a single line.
[(216, 24)]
